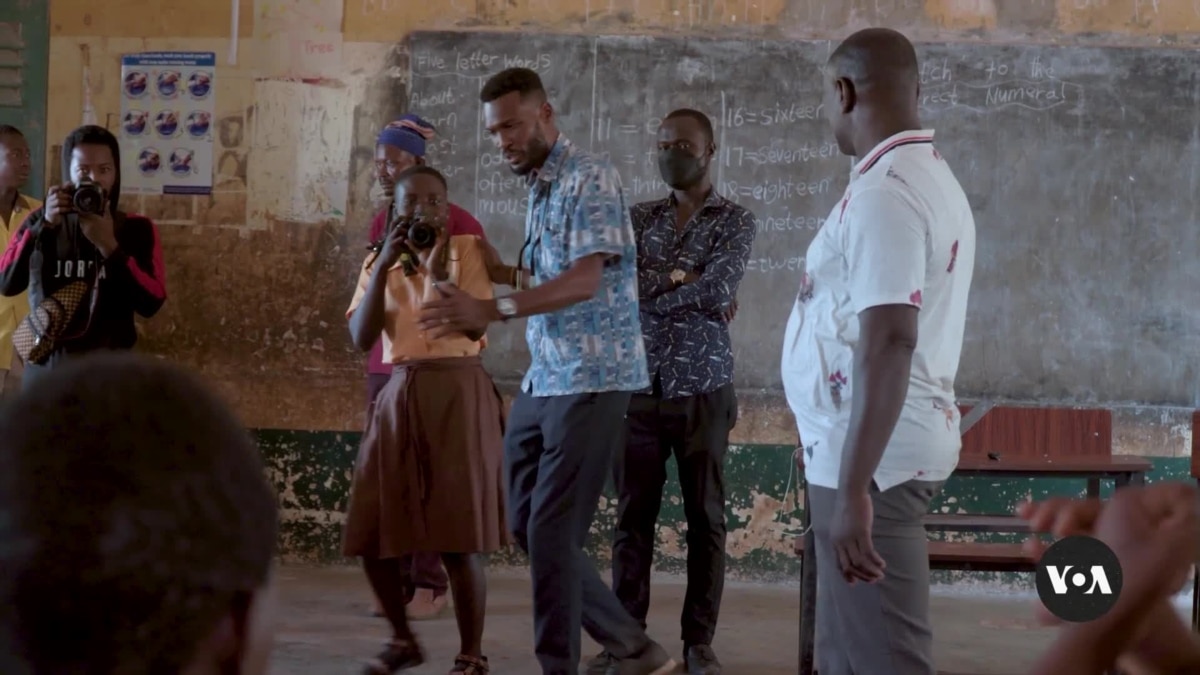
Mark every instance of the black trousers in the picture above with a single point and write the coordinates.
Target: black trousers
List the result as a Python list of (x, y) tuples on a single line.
[(695, 429), (557, 454)]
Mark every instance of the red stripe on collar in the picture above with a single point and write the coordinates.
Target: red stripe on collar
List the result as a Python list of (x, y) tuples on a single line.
[(874, 157)]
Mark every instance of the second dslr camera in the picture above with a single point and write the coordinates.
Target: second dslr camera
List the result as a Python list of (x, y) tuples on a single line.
[(88, 197)]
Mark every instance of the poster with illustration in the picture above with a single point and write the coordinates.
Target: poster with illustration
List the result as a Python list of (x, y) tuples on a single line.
[(166, 123)]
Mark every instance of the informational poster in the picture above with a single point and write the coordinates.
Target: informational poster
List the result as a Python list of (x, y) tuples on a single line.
[(166, 123)]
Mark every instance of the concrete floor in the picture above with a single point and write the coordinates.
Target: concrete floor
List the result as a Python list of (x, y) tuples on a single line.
[(327, 630)]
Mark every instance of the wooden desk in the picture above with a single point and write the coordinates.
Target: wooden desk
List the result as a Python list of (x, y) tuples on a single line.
[(1123, 470)]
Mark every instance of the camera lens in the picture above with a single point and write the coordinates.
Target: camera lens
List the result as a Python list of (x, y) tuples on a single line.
[(89, 198), (422, 235)]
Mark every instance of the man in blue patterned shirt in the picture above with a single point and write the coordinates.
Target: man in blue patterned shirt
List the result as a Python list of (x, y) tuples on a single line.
[(579, 263)]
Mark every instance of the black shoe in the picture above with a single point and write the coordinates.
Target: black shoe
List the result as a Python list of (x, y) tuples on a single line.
[(653, 660), (700, 660), (601, 663)]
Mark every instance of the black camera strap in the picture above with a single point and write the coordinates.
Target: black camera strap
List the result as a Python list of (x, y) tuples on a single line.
[(533, 237)]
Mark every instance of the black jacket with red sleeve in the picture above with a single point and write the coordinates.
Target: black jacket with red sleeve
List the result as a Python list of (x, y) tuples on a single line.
[(42, 260)]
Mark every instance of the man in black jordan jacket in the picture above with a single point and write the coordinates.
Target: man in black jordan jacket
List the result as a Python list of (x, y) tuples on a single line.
[(117, 252)]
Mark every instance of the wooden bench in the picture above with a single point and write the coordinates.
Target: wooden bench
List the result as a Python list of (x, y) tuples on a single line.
[(966, 522), (1040, 432), (969, 556)]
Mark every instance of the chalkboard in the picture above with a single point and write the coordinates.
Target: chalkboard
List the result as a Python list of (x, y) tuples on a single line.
[(1082, 165)]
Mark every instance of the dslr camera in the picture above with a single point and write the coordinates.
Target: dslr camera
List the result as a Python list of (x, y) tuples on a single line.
[(88, 197), (421, 234), (418, 233)]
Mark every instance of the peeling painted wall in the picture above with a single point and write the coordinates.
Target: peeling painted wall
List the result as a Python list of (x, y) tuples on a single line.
[(260, 272), (311, 471)]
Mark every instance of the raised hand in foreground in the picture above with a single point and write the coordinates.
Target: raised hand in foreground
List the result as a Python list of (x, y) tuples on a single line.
[(1155, 533)]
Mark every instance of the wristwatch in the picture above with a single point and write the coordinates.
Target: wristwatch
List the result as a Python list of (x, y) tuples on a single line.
[(677, 276), (507, 308)]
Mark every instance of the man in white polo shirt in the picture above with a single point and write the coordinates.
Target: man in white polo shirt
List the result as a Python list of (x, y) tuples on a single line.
[(869, 361)]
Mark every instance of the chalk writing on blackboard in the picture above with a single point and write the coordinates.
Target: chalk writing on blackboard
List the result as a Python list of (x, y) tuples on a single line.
[(1018, 124)]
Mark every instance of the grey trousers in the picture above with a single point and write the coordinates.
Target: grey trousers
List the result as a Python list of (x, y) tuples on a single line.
[(881, 628)]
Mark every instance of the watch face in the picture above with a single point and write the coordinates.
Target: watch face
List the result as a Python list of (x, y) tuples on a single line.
[(506, 306)]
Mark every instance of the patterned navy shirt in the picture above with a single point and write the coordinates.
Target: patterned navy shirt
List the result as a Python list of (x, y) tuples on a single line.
[(577, 209), (687, 338)]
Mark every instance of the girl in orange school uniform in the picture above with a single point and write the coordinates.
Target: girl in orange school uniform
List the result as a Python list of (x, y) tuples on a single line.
[(402, 145), (428, 474)]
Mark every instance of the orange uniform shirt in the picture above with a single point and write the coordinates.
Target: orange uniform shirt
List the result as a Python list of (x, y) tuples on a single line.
[(402, 339)]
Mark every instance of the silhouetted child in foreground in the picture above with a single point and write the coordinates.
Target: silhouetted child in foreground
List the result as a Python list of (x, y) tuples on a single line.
[(138, 527)]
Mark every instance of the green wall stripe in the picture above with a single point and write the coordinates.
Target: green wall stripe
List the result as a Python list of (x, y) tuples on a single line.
[(311, 470)]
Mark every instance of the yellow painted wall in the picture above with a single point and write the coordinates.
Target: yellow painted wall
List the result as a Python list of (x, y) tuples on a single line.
[(264, 296), (386, 21)]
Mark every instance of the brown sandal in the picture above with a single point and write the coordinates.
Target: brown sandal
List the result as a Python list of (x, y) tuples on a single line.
[(470, 665), (396, 656)]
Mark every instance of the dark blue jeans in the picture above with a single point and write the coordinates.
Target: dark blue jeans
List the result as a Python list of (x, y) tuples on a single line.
[(558, 452)]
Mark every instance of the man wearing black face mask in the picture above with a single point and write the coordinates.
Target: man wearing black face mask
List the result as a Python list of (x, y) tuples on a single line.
[(692, 252)]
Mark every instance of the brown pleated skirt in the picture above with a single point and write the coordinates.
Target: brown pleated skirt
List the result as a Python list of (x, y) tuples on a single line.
[(428, 475)]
